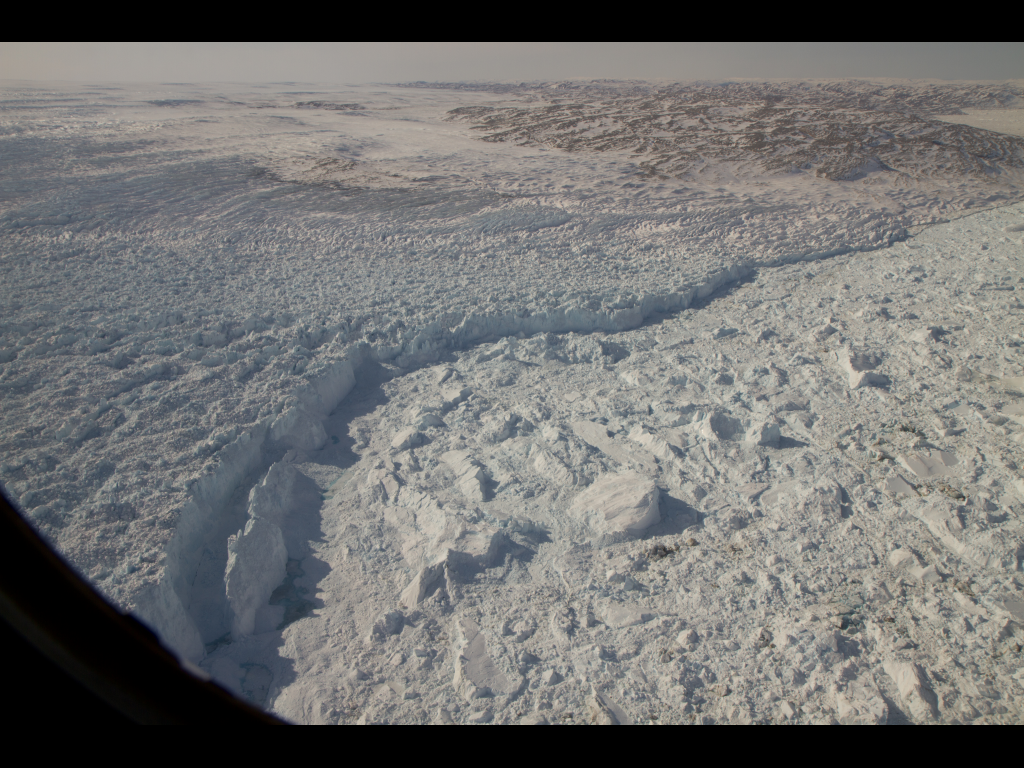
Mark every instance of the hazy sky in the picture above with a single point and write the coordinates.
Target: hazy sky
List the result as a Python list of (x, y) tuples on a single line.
[(396, 62)]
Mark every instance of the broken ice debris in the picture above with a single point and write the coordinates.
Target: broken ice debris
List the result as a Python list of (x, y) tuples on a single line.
[(719, 426), (876, 592), (820, 334), (918, 698), (635, 378), (619, 504), (551, 677), (687, 639), (924, 335), (390, 623), (476, 673), (534, 718), (591, 433), (860, 369), (549, 466), (751, 491), (455, 395), (522, 630), (927, 464), (407, 438), (653, 443), (618, 616), (1015, 608), (925, 574), (497, 428), (551, 434), (381, 485), (993, 549), (597, 435), (765, 433), (861, 704), (901, 558), (419, 587), (470, 473), (604, 711), (895, 484), (424, 418)]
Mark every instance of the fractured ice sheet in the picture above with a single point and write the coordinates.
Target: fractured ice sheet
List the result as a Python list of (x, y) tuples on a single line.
[(434, 348)]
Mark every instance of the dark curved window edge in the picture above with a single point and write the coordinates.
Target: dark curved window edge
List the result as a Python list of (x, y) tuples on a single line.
[(76, 651)]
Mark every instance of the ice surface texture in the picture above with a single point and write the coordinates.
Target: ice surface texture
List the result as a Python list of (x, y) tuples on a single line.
[(244, 330)]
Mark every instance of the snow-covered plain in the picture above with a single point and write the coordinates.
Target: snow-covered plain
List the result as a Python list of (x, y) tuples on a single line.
[(659, 404)]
